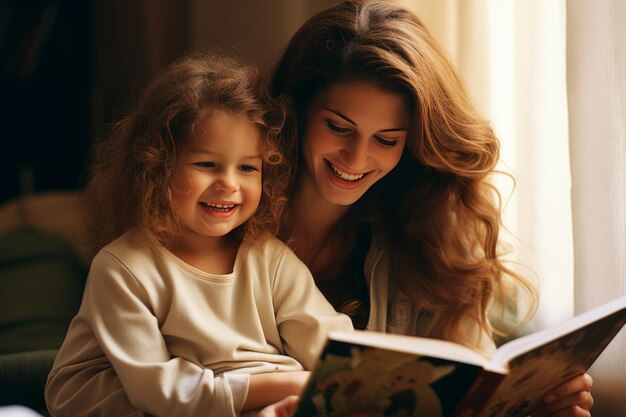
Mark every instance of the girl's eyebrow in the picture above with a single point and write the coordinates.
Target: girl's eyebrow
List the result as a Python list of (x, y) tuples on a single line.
[(347, 119), (210, 153), (254, 157)]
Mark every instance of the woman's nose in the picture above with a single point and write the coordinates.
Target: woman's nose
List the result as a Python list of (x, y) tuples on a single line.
[(355, 154)]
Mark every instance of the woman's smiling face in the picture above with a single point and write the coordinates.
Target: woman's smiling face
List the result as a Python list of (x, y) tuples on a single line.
[(354, 135)]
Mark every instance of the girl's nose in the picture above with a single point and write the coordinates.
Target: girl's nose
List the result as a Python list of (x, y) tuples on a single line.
[(226, 182)]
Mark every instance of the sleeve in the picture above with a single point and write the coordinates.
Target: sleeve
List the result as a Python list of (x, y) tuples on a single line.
[(303, 314), (128, 332)]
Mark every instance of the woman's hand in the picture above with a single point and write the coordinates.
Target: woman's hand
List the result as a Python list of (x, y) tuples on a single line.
[(570, 399)]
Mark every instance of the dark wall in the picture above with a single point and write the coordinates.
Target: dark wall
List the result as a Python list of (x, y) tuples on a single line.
[(69, 67), (44, 93)]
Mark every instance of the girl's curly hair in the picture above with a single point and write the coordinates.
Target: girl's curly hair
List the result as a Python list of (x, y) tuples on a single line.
[(129, 180)]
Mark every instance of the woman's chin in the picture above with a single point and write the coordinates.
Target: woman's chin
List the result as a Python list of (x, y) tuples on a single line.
[(341, 196)]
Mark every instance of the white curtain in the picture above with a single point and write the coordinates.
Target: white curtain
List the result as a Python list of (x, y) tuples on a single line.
[(511, 55), (551, 75), (596, 64)]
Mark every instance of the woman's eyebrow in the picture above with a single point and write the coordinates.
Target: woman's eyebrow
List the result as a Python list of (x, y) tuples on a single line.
[(343, 116), (394, 129), (347, 119)]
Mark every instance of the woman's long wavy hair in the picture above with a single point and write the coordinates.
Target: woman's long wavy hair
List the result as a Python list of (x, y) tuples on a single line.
[(437, 211), (132, 168)]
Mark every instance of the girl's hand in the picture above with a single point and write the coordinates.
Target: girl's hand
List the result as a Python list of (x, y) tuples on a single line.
[(286, 406), (282, 408), (570, 399), (270, 389)]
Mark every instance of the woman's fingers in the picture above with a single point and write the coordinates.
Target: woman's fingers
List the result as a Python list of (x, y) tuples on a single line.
[(574, 385), (573, 405), (570, 399)]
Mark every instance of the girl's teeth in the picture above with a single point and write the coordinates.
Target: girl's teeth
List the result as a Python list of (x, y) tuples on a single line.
[(219, 207), (346, 177)]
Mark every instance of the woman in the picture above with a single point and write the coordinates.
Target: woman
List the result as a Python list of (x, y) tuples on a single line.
[(392, 208)]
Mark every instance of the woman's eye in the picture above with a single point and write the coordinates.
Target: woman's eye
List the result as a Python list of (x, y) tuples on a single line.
[(343, 131), (204, 164), (386, 142)]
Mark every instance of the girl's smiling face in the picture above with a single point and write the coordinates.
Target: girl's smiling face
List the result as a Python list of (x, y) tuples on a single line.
[(217, 184), (355, 134)]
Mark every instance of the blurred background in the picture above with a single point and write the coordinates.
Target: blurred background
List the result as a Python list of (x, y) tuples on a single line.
[(550, 75), (71, 66)]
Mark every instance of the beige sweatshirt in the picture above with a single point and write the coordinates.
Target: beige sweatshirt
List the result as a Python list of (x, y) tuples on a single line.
[(182, 341)]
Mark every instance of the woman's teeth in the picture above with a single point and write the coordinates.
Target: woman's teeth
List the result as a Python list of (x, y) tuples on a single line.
[(218, 207), (345, 176)]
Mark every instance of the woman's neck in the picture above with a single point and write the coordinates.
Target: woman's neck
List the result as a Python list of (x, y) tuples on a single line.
[(314, 219)]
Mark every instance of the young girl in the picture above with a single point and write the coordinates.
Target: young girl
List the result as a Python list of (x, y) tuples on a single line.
[(192, 309)]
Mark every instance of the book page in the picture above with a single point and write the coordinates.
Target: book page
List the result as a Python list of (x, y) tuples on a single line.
[(414, 345), (351, 377), (535, 372), (509, 350)]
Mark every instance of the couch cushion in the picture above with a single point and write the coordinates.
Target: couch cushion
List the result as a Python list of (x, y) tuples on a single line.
[(41, 284), (23, 378)]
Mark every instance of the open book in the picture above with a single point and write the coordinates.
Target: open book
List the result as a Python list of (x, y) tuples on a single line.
[(393, 375)]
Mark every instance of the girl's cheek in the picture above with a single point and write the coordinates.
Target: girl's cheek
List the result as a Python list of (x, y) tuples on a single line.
[(181, 184)]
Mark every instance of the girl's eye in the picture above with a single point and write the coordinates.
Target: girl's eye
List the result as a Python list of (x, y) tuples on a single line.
[(248, 168), (343, 131), (385, 142), (204, 164)]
